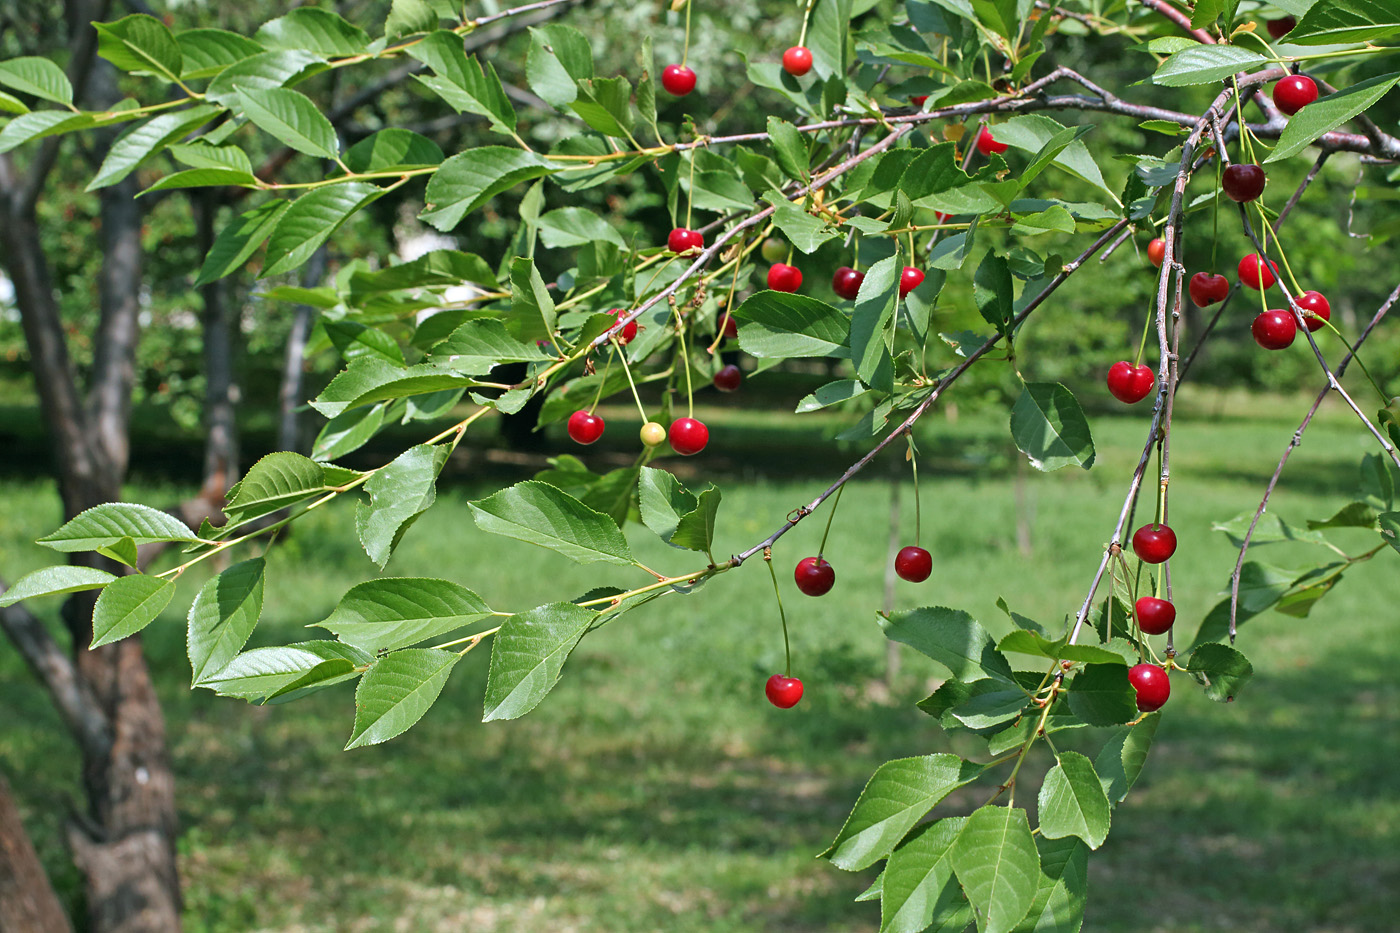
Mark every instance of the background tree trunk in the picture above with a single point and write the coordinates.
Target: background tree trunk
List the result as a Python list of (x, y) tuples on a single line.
[(27, 900)]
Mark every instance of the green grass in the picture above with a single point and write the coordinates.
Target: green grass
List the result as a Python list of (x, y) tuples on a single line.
[(655, 789)]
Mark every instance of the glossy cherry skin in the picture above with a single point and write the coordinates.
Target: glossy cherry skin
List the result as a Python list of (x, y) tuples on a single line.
[(629, 330), (1242, 182), (1152, 686), (1274, 329), (913, 564), (1316, 309), (814, 576), (681, 239), (918, 99), (846, 282), (1278, 28), (784, 278), (797, 61), (1129, 383), (728, 378), (1154, 543), (1154, 616), (1207, 288), (987, 143), (731, 326), (678, 80), (1294, 92), (1255, 274), (653, 434), (585, 427), (783, 692), (1157, 251), (909, 280), (689, 436)]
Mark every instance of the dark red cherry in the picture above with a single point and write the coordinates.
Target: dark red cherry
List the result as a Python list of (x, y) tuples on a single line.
[(1154, 615), (814, 576), (784, 278), (629, 330), (678, 80), (1129, 383), (1157, 252), (688, 436), (846, 282), (731, 326), (585, 427), (681, 239), (1207, 288), (1255, 274), (1294, 92), (910, 279), (728, 378), (1278, 28), (987, 143), (913, 564), (1316, 309), (1154, 543), (1242, 182), (797, 61), (1151, 685), (1274, 329), (783, 692)]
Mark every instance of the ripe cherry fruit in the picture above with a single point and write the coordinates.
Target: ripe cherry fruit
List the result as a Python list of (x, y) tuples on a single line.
[(1316, 309), (784, 278), (1278, 28), (728, 378), (731, 327), (678, 80), (1157, 251), (1207, 288), (1154, 615), (1154, 543), (846, 282), (1129, 383), (689, 436), (653, 434), (585, 427), (913, 564), (1151, 685), (909, 280), (987, 143), (629, 330), (814, 576), (797, 61), (1255, 273), (783, 692), (1294, 92), (680, 240), (1274, 329), (1242, 182)]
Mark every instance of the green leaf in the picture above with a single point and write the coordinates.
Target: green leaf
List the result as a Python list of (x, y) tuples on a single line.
[(11, 104), (478, 346), (604, 104), (1270, 529), (1033, 643), (1351, 515), (696, 529), (348, 431), (275, 482), (1120, 761), (263, 673), (237, 242), (545, 515), (409, 16), (828, 38), (898, 795), (315, 30), (258, 72), (470, 179), (532, 308), (952, 638), (996, 861), (1221, 670), (782, 325), (206, 178), (311, 220), (1342, 21), (462, 82), (995, 293), (354, 340), (1206, 64), (393, 148), (140, 45), (803, 230), (833, 393), (31, 126), (1327, 113), (558, 59), (396, 692), (104, 525), (369, 379), (39, 77), (395, 612), (528, 654), (1072, 802), (123, 551), (1101, 695), (993, 708), (789, 147), (1206, 12), (1050, 428), (1062, 889), (443, 267), (1390, 528), (919, 890), (128, 605), (1044, 137), (398, 494), (292, 118), (52, 581), (206, 52), (662, 501), (223, 615), (872, 322), (576, 226)]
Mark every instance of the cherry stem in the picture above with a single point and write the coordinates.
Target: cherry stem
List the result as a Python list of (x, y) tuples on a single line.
[(1278, 244), (787, 648), (628, 371), (685, 50), (1215, 213), (685, 363), (1146, 329), (598, 397), (806, 15), (690, 192), (914, 464), (830, 515)]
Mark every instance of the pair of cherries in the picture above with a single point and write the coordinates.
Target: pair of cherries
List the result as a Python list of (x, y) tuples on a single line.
[(847, 281), (679, 80)]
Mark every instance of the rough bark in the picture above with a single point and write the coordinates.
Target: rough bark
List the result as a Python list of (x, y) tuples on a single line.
[(28, 903), (220, 390)]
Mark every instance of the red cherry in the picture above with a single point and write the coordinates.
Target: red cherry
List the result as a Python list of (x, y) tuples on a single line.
[(678, 80), (1152, 686), (814, 576), (846, 282), (1154, 543), (1207, 288), (918, 99), (681, 239), (629, 330), (784, 278), (728, 378), (1242, 182), (1316, 309), (1254, 273), (1278, 28), (1294, 92), (987, 143), (1129, 383), (1154, 615), (783, 692), (689, 436), (731, 327), (909, 280), (797, 61), (585, 427), (1274, 329), (1157, 251), (913, 564)]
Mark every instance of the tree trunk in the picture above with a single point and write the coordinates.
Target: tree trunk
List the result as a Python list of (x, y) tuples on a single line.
[(28, 903), (220, 392), (289, 399)]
